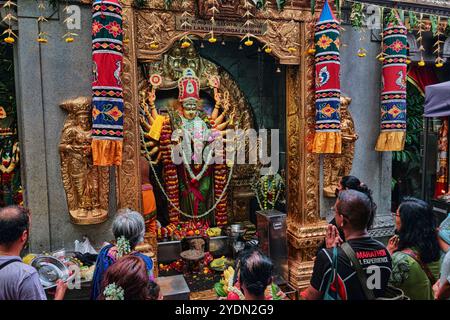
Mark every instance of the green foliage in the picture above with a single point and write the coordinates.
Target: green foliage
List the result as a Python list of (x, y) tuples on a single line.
[(434, 24), (140, 3), (281, 4), (6, 80), (357, 15), (407, 163), (392, 17), (168, 3), (313, 6), (261, 4), (413, 20)]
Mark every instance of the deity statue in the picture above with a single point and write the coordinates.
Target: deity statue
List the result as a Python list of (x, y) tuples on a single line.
[(336, 166), (194, 185), (86, 185)]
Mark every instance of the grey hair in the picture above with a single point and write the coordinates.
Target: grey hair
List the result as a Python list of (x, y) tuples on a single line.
[(129, 224)]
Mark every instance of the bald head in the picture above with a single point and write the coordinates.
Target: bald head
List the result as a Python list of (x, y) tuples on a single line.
[(14, 221)]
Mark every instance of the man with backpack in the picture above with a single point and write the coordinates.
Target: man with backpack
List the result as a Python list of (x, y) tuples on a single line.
[(358, 269)]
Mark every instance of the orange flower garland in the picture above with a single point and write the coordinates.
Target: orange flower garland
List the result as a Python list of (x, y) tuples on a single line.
[(170, 173)]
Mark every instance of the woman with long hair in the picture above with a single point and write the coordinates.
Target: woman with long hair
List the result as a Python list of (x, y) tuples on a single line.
[(126, 279), (415, 250)]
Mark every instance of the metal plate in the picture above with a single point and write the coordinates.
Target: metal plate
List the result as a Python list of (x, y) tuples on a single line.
[(50, 270)]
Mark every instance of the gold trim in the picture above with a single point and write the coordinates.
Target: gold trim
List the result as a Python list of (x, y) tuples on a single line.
[(305, 228)]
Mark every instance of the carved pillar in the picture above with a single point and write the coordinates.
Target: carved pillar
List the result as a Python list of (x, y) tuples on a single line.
[(128, 177), (305, 227)]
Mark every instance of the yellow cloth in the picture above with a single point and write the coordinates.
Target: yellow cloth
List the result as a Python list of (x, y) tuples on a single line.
[(391, 141), (107, 152), (327, 142), (149, 211), (155, 130)]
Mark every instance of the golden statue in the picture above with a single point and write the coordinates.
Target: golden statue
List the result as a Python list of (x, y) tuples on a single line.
[(86, 185), (336, 166)]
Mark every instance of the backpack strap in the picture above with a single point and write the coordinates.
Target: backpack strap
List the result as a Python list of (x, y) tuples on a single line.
[(9, 262), (348, 250), (424, 267)]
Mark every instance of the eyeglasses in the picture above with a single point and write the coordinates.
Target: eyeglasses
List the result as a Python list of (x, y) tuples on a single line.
[(395, 214)]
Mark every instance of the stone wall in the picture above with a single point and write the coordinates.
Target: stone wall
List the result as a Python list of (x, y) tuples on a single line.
[(46, 75)]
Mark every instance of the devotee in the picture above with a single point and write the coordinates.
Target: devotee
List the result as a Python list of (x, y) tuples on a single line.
[(126, 279), (334, 235), (155, 291), (255, 274), (128, 229), (352, 213), (19, 281), (415, 250), (442, 286)]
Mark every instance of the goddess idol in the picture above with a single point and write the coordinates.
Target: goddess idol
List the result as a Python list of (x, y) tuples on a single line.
[(194, 173)]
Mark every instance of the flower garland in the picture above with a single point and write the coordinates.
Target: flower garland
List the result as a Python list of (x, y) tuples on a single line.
[(439, 62), (114, 292), (123, 247), (220, 185), (170, 172), (171, 178), (8, 162)]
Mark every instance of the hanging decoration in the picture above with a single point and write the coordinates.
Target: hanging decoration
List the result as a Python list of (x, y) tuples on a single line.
[(382, 56), (268, 45), (421, 25), (9, 6), (213, 11), (247, 24), (107, 95), (292, 47), (393, 93), (185, 40), (327, 137), (357, 18), (439, 62), (69, 36)]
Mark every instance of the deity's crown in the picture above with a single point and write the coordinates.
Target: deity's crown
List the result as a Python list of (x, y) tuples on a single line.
[(188, 86)]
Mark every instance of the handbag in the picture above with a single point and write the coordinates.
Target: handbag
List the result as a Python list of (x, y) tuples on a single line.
[(390, 293), (332, 277)]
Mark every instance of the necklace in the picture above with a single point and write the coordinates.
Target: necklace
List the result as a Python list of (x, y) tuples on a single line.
[(163, 190)]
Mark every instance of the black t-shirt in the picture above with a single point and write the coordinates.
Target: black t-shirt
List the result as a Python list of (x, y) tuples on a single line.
[(374, 259)]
